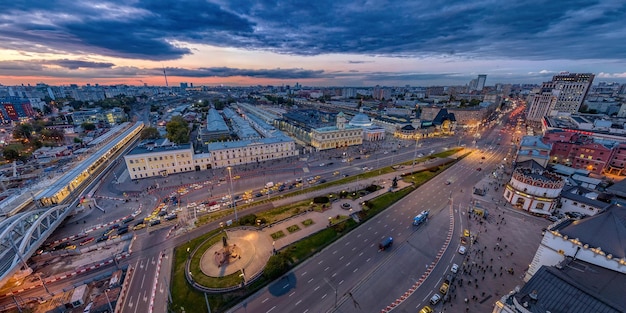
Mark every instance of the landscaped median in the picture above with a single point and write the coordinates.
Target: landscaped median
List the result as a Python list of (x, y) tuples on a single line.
[(186, 298)]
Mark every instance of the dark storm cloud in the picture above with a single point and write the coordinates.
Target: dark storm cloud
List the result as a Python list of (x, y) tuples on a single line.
[(77, 68), (262, 73), (76, 64), (151, 29)]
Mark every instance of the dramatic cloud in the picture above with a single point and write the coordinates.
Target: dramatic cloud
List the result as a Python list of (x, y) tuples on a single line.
[(263, 73), (160, 30), (76, 64)]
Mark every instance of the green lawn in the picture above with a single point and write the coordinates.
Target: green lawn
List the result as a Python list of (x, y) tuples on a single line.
[(278, 234), (293, 228)]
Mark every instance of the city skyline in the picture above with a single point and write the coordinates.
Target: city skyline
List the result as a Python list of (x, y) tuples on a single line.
[(333, 43)]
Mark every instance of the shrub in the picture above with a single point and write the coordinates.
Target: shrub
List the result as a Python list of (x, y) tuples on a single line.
[(321, 200), (371, 188), (343, 194), (249, 219)]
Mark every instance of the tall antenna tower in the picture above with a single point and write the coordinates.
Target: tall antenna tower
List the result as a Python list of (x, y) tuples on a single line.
[(164, 74)]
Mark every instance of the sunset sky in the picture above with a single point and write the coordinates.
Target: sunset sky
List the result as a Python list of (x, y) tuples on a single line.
[(315, 43)]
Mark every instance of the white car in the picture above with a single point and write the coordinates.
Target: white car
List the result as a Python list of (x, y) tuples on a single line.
[(462, 249), (454, 268), (435, 299)]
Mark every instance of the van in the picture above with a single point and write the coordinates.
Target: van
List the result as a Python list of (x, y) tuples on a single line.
[(385, 244)]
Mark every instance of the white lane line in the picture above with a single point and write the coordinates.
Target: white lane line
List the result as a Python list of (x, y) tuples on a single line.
[(326, 269), (341, 258), (360, 254), (341, 282), (334, 251), (298, 302), (320, 262), (303, 274), (368, 259), (310, 280), (318, 287), (293, 293), (335, 274), (265, 300), (324, 296), (270, 310), (348, 264), (356, 269)]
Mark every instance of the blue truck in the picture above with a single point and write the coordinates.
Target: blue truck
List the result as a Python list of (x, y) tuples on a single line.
[(420, 218)]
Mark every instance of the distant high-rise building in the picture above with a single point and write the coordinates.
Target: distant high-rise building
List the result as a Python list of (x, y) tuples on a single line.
[(183, 86), (564, 94), (480, 82)]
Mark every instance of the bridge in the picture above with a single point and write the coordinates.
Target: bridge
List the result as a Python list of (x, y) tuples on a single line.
[(23, 233)]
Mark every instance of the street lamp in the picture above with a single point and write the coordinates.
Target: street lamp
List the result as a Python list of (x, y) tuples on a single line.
[(108, 301), (415, 152), (230, 176)]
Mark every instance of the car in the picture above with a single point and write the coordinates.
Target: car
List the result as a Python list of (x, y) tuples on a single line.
[(426, 309), (122, 231), (162, 213), (483, 158), (171, 216), (435, 299), (385, 244), (479, 169), (447, 182), (552, 218), (454, 268), (462, 249), (322, 181), (139, 226), (322, 164), (155, 222), (103, 238), (86, 241), (128, 220), (70, 247)]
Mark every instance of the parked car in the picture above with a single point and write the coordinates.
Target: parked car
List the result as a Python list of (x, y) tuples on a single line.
[(454, 268), (139, 226), (435, 299), (155, 222), (86, 241), (426, 309)]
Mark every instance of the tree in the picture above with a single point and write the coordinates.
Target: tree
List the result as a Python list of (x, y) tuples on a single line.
[(277, 265), (11, 154), (23, 132), (177, 130), (150, 133), (88, 126)]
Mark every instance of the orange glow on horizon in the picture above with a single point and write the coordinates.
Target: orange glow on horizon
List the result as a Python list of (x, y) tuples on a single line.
[(173, 81)]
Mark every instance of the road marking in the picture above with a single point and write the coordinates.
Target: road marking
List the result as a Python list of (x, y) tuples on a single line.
[(358, 236), (310, 280), (353, 248), (320, 262), (347, 243), (293, 293), (369, 228), (324, 296), (334, 252), (270, 310), (326, 269), (356, 269), (307, 310), (335, 274), (341, 282), (130, 301), (360, 254), (142, 280), (348, 264), (265, 300), (341, 258), (298, 302), (303, 274), (368, 259), (318, 287), (286, 286)]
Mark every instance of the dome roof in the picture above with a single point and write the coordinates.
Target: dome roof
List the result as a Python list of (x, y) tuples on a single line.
[(361, 119)]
